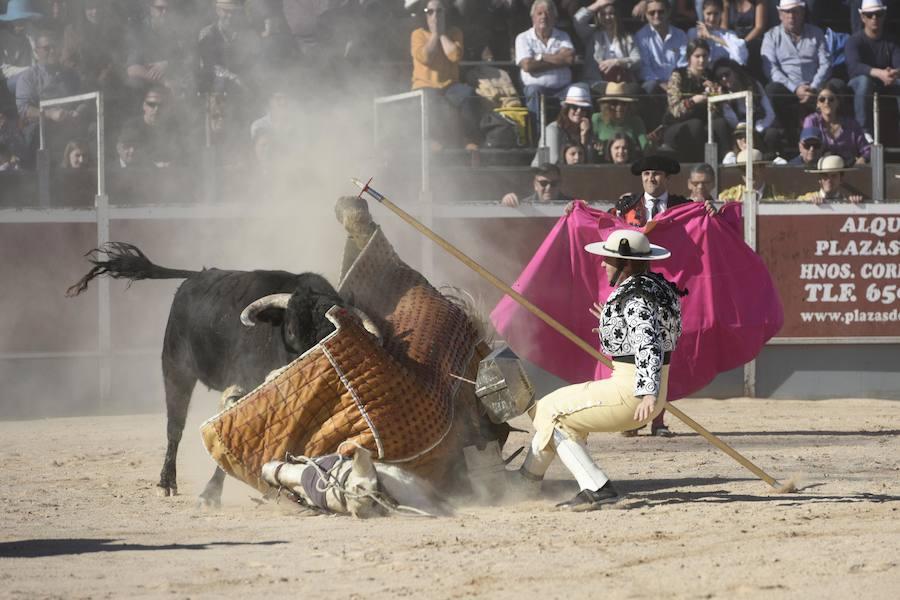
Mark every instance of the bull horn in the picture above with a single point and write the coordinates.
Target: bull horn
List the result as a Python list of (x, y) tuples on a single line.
[(248, 315), (368, 323)]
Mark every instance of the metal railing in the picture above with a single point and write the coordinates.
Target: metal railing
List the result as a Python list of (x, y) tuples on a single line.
[(101, 204)]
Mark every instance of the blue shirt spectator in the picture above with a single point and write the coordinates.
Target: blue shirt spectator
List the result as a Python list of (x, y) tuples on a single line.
[(661, 46), (795, 59)]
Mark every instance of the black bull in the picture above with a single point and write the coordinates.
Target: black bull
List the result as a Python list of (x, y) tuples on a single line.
[(205, 339)]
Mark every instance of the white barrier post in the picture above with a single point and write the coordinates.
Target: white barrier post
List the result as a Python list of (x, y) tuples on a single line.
[(101, 205), (876, 154), (750, 200)]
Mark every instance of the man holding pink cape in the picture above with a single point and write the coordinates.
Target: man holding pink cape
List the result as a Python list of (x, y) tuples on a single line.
[(730, 313)]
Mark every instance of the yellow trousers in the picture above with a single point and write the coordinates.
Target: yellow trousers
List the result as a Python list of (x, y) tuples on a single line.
[(583, 408)]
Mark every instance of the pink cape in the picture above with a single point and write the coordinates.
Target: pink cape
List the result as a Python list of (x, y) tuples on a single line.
[(732, 308)]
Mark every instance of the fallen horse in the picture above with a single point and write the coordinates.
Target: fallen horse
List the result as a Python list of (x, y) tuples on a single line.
[(400, 398)]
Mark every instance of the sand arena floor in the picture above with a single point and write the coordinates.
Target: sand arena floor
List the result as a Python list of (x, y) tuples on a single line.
[(81, 519)]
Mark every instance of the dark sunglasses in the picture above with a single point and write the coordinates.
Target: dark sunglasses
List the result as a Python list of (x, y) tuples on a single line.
[(874, 15), (152, 104), (578, 108), (827, 99), (429, 11), (810, 145), (548, 182), (653, 13)]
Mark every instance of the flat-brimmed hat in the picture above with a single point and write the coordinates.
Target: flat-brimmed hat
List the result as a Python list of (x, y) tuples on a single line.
[(630, 244), (757, 159), (578, 95), (872, 6), (830, 164), (617, 92), (655, 162), (18, 10), (790, 4), (740, 130)]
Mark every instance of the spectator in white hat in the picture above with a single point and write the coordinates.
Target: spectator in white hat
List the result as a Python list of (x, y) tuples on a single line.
[(572, 126), (830, 170), (797, 63), (873, 62)]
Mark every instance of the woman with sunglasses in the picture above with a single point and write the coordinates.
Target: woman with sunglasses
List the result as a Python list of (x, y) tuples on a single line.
[(732, 77), (610, 52), (572, 126), (688, 90), (840, 135)]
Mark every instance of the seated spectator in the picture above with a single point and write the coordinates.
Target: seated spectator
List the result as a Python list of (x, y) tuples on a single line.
[(228, 51), (436, 50), (765, 192), (840, 135), (56, 16), (126, 148), (689, 88), (8, 160), (873, 63), (10, 134), (739, 137), (156, 131), (92, 46), (46, 80), (610, 52), (796, 62), (683, 13), (616, 115), (545, 56), (620, 150), (734, 78), (747, 18), (547, 184), (722, 42), (75, 156), (662, 49), (573, 154), (159, 52), (702, 186), (830, 170), (810, 147), (278, 119), (573, 125), (16, 47)]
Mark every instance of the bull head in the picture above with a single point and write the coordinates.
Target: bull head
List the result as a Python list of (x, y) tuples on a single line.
[(302, 319)]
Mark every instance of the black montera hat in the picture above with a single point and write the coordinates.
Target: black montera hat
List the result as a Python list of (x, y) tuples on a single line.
[(655, 163)]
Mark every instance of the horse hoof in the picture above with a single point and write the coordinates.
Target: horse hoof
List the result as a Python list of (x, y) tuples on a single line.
[(164, 491), (209, 502)]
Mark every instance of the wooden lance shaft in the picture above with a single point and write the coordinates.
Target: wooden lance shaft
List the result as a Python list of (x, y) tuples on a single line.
[(556, 325)]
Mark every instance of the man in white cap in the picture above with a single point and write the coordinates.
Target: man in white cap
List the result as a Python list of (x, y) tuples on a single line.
[(830, 170), (873, 63), (797, 63), (639, 327)]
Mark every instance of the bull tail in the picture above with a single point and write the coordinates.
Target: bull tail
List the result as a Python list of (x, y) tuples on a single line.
[(123, 261)]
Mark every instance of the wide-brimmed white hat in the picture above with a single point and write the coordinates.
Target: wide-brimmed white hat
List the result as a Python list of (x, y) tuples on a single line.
[(630, 244), (870, 6), (578, 95), (791, 4), (830, 164), (757, 159)]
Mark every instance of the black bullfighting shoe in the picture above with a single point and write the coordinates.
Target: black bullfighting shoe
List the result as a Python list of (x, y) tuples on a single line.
[(586, 500)]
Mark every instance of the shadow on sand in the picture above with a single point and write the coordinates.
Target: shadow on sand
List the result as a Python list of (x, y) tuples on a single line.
[(62, 547)]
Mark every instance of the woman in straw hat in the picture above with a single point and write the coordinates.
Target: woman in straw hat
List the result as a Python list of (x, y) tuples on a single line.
[(617, 115), (830, 170), (639, 327), (572, 126)]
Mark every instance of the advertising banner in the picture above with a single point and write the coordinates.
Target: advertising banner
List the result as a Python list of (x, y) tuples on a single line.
[(838, 274)]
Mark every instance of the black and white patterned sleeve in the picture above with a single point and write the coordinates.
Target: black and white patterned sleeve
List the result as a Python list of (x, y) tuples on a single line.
[(647, 342)]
